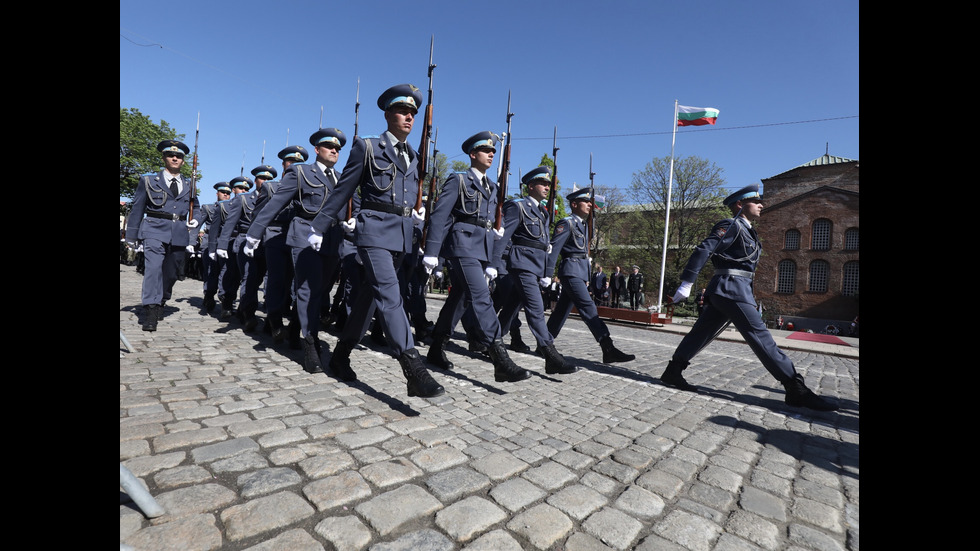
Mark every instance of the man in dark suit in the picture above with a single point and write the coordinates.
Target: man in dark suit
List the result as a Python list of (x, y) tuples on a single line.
[(617, 286), (734, 249)]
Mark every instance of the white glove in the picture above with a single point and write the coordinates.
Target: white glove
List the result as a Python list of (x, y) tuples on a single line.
[(544, 282), (491, 272), (248, 250), (349, 225), (430, 263), (139, 247), (683, 292), (419, 214), (252, 242), (192, 223), (549, 248), (222, 253), (190, 249), (315, 240), (590, 260), (211, 256), (499, 233)]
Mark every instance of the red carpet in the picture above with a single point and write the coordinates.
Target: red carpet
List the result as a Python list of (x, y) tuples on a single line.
[(816, 337)]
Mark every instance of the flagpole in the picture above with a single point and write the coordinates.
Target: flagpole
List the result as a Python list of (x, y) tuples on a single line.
[(670, 184)]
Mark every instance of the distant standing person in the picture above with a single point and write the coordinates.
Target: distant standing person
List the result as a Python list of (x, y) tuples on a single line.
[(635, 287), (734, 249), (617, 287)]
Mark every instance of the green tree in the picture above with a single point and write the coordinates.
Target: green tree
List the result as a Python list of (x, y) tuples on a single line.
[(695, 206), (138, 155)]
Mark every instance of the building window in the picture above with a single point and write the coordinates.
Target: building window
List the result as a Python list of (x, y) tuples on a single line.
[(849, 285), (792, 242), (786, 277), (819, 270), (851, 239), (821, 235)]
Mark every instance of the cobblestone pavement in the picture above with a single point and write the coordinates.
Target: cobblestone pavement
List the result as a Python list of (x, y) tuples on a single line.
[(245, 450)]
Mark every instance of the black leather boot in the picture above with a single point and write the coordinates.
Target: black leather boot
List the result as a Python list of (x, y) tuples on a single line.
[(339, 366), (612, 354), (555, 363), (378, 333), (209, 302), (250, 321), (151, 313), (276, 328), (420, 383), (226, 312), (672, 376), (437, 352), (311, 358), (517, 344), (504, 369), (797, 394)]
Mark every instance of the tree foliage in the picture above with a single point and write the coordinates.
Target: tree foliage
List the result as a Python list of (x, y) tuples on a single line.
[(695, 206), (138, 155)]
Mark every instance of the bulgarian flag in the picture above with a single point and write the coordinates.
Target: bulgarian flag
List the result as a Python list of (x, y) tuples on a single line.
[(696, 116)]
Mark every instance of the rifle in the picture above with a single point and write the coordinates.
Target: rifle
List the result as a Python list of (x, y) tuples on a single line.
[(592, 208), (504, 169), (262, 162), (424, 148), (435, 169), (197, 132), (242, 171), (357, 108), (554, 182)]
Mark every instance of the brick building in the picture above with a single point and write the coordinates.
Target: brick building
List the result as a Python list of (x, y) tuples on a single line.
[(809, 230)]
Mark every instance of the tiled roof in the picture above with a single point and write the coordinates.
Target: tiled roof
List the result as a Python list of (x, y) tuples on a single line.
[(827, 160)]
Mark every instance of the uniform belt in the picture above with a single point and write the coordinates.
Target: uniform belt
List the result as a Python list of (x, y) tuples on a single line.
[(476, 221), (734, 272), (162, 215), (386, 207), (576, 255), (524, 242), (306, 215), (348, 237)]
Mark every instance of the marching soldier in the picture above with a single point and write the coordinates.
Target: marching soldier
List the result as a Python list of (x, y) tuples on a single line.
[(222, 192), (526, 231), (251, 263), (571, 241), (231, 279), (278, 254), (734, 249), (306, 187), (463, 218), (385, 170), (164, 199)]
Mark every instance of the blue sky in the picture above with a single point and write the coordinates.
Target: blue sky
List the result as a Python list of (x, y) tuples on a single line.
[(784, 75)]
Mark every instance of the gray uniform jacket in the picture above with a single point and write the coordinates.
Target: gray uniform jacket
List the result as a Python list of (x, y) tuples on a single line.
[(166, 215)]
